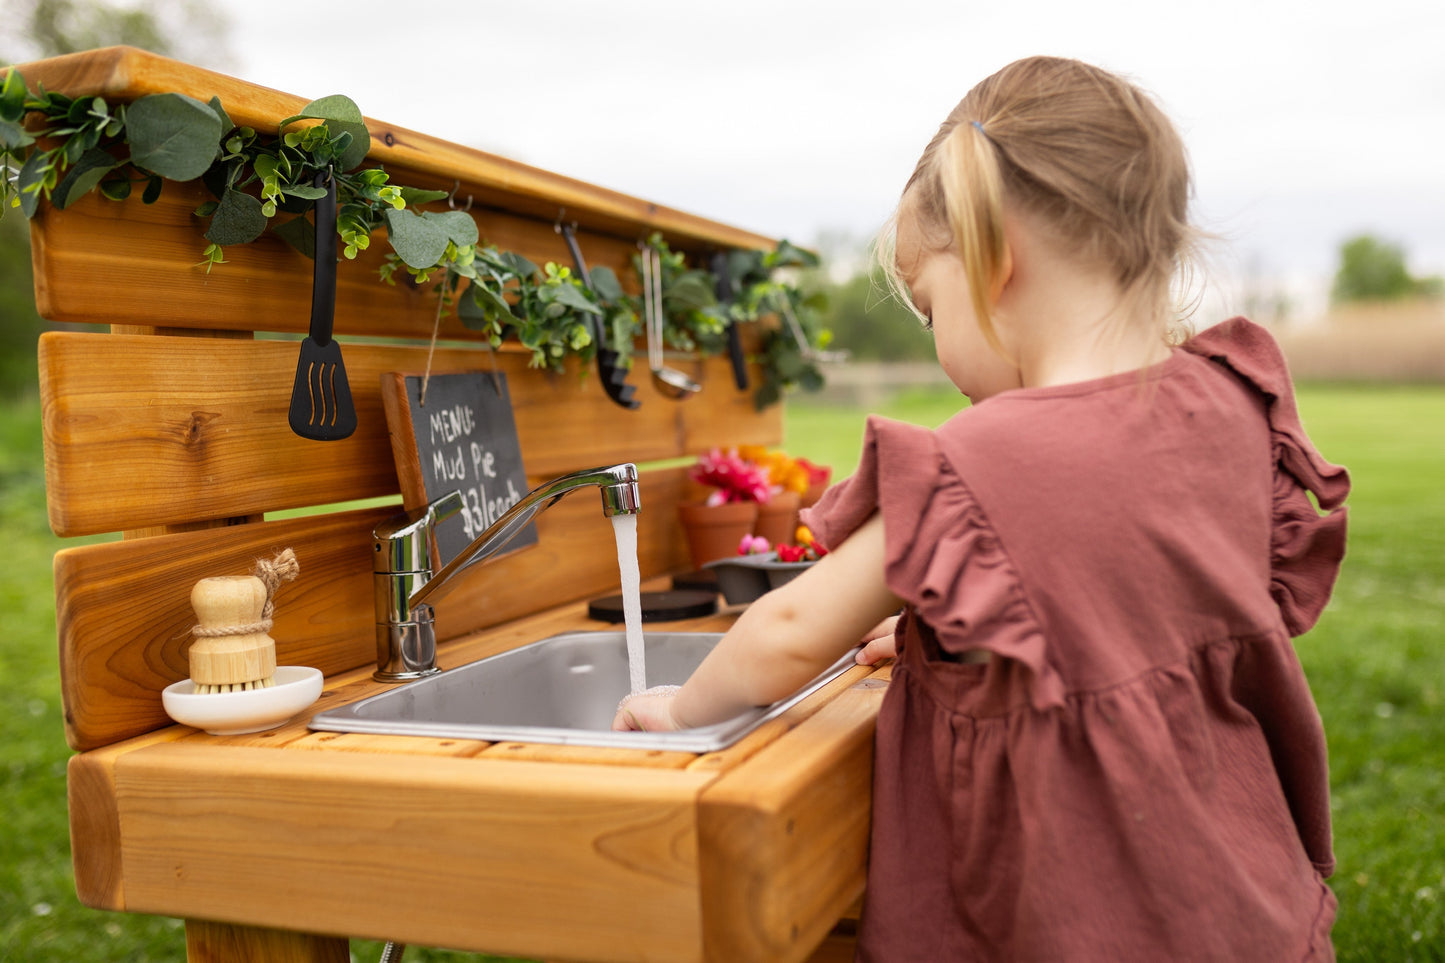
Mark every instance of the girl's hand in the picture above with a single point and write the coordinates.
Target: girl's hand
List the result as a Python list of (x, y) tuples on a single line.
[(880, 643), (647, 711)]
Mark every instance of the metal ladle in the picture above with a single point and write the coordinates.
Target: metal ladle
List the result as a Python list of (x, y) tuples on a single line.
[(669, 382)]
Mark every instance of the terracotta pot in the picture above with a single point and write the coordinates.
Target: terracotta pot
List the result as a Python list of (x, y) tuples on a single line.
[(778, 518), (714, 531), (815, 491)]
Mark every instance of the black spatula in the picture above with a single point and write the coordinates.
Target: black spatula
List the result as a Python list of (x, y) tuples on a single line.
[(609, 363), (321, 407)]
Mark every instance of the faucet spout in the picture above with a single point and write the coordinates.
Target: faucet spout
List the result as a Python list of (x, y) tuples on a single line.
[(405, 546), (619, 497)]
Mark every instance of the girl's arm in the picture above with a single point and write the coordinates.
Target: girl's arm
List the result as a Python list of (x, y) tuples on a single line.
[(782, 641)]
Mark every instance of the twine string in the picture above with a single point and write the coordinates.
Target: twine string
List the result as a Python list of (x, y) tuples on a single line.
[(272, 573)]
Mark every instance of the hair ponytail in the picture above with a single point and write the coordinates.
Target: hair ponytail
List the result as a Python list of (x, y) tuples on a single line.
[(1078, 147), (973, 193)]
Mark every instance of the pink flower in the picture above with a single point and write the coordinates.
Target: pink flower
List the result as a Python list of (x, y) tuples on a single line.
[(736, 480), (754, 545)]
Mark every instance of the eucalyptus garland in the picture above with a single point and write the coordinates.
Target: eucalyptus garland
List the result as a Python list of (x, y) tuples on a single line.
[(58, 148)]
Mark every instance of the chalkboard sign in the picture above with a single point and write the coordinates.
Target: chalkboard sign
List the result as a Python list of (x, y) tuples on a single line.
[(463, 439)]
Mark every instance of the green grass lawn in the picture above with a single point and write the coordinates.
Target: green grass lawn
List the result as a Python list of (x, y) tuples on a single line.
[(1376, 662)]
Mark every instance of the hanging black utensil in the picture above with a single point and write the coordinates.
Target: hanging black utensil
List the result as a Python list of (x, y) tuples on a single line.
[(724, 291), (609, 369), (321, 407)]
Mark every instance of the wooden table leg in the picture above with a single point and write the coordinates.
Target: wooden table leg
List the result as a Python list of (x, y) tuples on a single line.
[(208, 942)]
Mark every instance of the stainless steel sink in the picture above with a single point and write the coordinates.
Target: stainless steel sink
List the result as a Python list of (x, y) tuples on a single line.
[(563, 689)]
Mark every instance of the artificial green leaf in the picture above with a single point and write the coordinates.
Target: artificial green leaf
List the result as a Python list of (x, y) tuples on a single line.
[(238, 220), (117, 188), (299, 233), (575, 298), (458, 225), (341, 115), (605, 283), (12, 97), (415, 195), (517, 264), (492, 302), (789, 365), (82, 177), (152, 192), (28, 181), (221, 114), (304, 190), (470, 313), (690, 291), (207, 209), (419, 242), (789, 254), (173, 135), (13, 136)]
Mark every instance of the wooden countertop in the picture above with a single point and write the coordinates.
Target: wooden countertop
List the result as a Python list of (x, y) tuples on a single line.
[(570, 852)]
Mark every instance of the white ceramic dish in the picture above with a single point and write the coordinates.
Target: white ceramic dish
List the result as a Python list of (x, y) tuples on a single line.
[(232, 713)]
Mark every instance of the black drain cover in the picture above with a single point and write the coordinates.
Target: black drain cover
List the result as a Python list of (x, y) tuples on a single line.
[(657, 606)]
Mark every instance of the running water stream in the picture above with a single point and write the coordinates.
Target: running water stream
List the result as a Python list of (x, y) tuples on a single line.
[(624, 529)]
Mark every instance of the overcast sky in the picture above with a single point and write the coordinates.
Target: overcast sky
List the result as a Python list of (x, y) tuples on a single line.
[(1306, 121)]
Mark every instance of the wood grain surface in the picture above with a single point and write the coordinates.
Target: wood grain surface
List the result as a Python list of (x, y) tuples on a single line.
[(149, 431), (784, 838), (490, 856)]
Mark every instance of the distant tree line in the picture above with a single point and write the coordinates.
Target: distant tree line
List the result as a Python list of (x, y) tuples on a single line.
[(1374, 270), (870, 324)]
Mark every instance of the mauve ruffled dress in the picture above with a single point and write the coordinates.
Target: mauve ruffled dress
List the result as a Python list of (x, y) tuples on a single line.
[(1138, 771)]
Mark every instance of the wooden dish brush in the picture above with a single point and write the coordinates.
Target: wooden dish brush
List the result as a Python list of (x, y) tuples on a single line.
[(232, 651)]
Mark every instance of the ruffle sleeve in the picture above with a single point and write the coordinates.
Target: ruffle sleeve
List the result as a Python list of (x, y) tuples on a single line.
[(1306, 547), (942, 556)]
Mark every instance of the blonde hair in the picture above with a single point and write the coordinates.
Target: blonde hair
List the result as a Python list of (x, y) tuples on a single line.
[(1078, 147)]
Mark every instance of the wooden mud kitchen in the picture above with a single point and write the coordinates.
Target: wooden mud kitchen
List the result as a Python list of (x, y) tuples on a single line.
[(170, 426)]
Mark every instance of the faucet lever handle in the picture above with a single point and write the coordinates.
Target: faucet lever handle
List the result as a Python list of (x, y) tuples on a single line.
[(440, 509), (405, 542)]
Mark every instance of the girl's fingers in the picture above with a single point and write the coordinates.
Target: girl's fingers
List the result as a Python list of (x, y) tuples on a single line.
[(645, 712), (878, 649)]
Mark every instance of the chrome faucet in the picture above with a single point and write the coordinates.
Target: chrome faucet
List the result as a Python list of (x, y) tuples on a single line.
[(406, 557)]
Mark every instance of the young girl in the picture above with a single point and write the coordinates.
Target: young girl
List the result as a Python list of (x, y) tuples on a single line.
[(1097, 743)]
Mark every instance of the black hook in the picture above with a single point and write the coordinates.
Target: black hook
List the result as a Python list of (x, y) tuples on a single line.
[(452, 198)]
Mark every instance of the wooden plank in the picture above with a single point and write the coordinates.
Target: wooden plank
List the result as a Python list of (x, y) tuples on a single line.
[(95, 821), (124, 607), (123, 73), (588, 755), (408, 847), (840, 946), (730, 757), (149, 431), (102, 261), (388, 745), (784, 838), (124, 616), (210, 942)]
